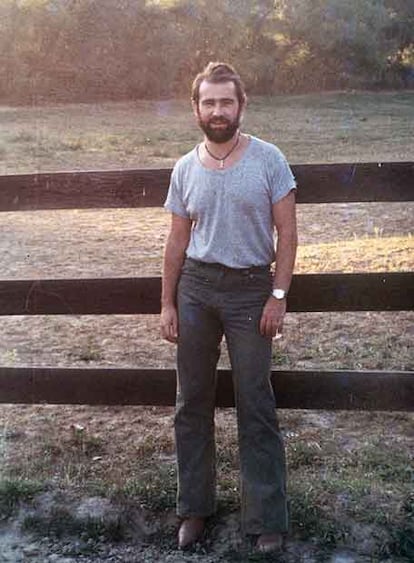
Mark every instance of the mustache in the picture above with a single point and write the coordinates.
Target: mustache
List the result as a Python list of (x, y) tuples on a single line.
[(219, 121)]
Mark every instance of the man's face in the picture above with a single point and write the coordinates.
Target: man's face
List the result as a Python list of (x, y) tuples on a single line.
[(218, 111)]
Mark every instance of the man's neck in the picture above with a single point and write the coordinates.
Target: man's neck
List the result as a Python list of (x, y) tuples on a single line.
[(220, 149)]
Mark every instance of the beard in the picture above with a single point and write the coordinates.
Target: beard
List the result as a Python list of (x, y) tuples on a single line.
[(221, 135)]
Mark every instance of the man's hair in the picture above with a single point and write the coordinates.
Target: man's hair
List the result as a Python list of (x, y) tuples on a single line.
[(216, 72)]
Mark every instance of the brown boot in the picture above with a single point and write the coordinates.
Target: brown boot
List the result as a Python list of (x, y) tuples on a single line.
[(190, 531), (270, 543)]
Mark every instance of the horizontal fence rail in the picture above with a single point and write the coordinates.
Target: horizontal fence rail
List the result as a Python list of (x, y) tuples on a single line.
[(388, 291), (318, 183), (332, 390)]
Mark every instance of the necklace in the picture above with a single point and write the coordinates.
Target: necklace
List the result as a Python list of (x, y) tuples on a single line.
[(223, 158)]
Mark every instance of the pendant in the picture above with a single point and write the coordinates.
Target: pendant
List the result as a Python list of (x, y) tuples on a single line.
[(221, 163)]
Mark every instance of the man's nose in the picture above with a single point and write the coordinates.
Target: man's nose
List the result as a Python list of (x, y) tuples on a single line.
[(217, 110)]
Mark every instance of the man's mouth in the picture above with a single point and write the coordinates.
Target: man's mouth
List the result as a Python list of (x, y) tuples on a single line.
[(218, 123)]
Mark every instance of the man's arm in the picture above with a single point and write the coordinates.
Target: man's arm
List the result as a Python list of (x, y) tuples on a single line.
[(174, 255), (284, 218)]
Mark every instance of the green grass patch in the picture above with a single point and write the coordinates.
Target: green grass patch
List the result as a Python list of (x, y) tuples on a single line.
[(334, 493), (61, 522), (15, 491), (152, 445), (352, 488), (379, 461), (311, 518), (279, 356), (301, 454), (153, 489), (402, 543)]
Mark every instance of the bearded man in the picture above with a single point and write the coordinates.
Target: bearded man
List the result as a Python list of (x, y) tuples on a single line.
[(227, 198)]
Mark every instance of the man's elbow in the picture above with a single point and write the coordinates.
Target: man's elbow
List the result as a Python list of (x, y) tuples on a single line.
[(177, 245)]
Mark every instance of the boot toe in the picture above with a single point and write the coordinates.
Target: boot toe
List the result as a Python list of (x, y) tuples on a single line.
[(270, 543), (190, 532)]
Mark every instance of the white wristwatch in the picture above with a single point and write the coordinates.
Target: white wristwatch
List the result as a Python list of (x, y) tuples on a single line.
[(279, 294)]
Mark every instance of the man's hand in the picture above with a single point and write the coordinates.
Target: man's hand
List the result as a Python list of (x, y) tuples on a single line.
[(273, 314), (169, 323)]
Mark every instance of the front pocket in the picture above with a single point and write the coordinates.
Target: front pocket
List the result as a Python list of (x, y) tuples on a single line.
[(260, 279)]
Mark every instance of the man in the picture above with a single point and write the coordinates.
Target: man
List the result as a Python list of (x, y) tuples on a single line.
[(227, 196)]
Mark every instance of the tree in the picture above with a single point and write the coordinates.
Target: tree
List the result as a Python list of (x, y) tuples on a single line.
[(123, 49), (347, 40)]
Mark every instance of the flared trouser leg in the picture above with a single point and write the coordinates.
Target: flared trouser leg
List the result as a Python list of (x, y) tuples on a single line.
[(198, 351), (262, 455)]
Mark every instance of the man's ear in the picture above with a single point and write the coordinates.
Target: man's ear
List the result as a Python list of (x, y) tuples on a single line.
[(194, 105), (243, 108)]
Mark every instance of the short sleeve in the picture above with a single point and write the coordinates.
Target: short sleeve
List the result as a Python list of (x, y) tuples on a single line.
[(174, 201), (282, 178)]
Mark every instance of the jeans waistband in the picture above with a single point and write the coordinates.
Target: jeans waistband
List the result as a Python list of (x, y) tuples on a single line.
[(221, 267)]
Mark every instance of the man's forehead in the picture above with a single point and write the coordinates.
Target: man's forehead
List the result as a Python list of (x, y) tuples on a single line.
[(217, 90)]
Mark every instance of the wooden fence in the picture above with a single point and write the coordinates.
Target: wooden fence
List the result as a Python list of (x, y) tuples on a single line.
[(330, 183)]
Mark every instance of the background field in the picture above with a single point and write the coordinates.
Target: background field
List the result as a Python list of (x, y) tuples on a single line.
[(347, 491)]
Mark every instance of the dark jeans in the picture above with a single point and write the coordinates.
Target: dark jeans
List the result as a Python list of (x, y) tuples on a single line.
[(214, 300)]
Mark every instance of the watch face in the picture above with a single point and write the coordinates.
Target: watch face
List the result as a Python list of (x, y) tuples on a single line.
[(279, 293)]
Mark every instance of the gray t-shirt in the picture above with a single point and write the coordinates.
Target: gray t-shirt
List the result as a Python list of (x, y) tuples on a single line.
[(231, 209)]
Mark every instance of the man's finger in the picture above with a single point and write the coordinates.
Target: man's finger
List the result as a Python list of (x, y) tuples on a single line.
[(275, 327), (170, 337), (269, 328), (264, 325), (169, 331), (173, 331)]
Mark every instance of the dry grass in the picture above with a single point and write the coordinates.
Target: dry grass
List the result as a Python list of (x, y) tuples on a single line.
[(343, 488), (319, 128), (391, 254)]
